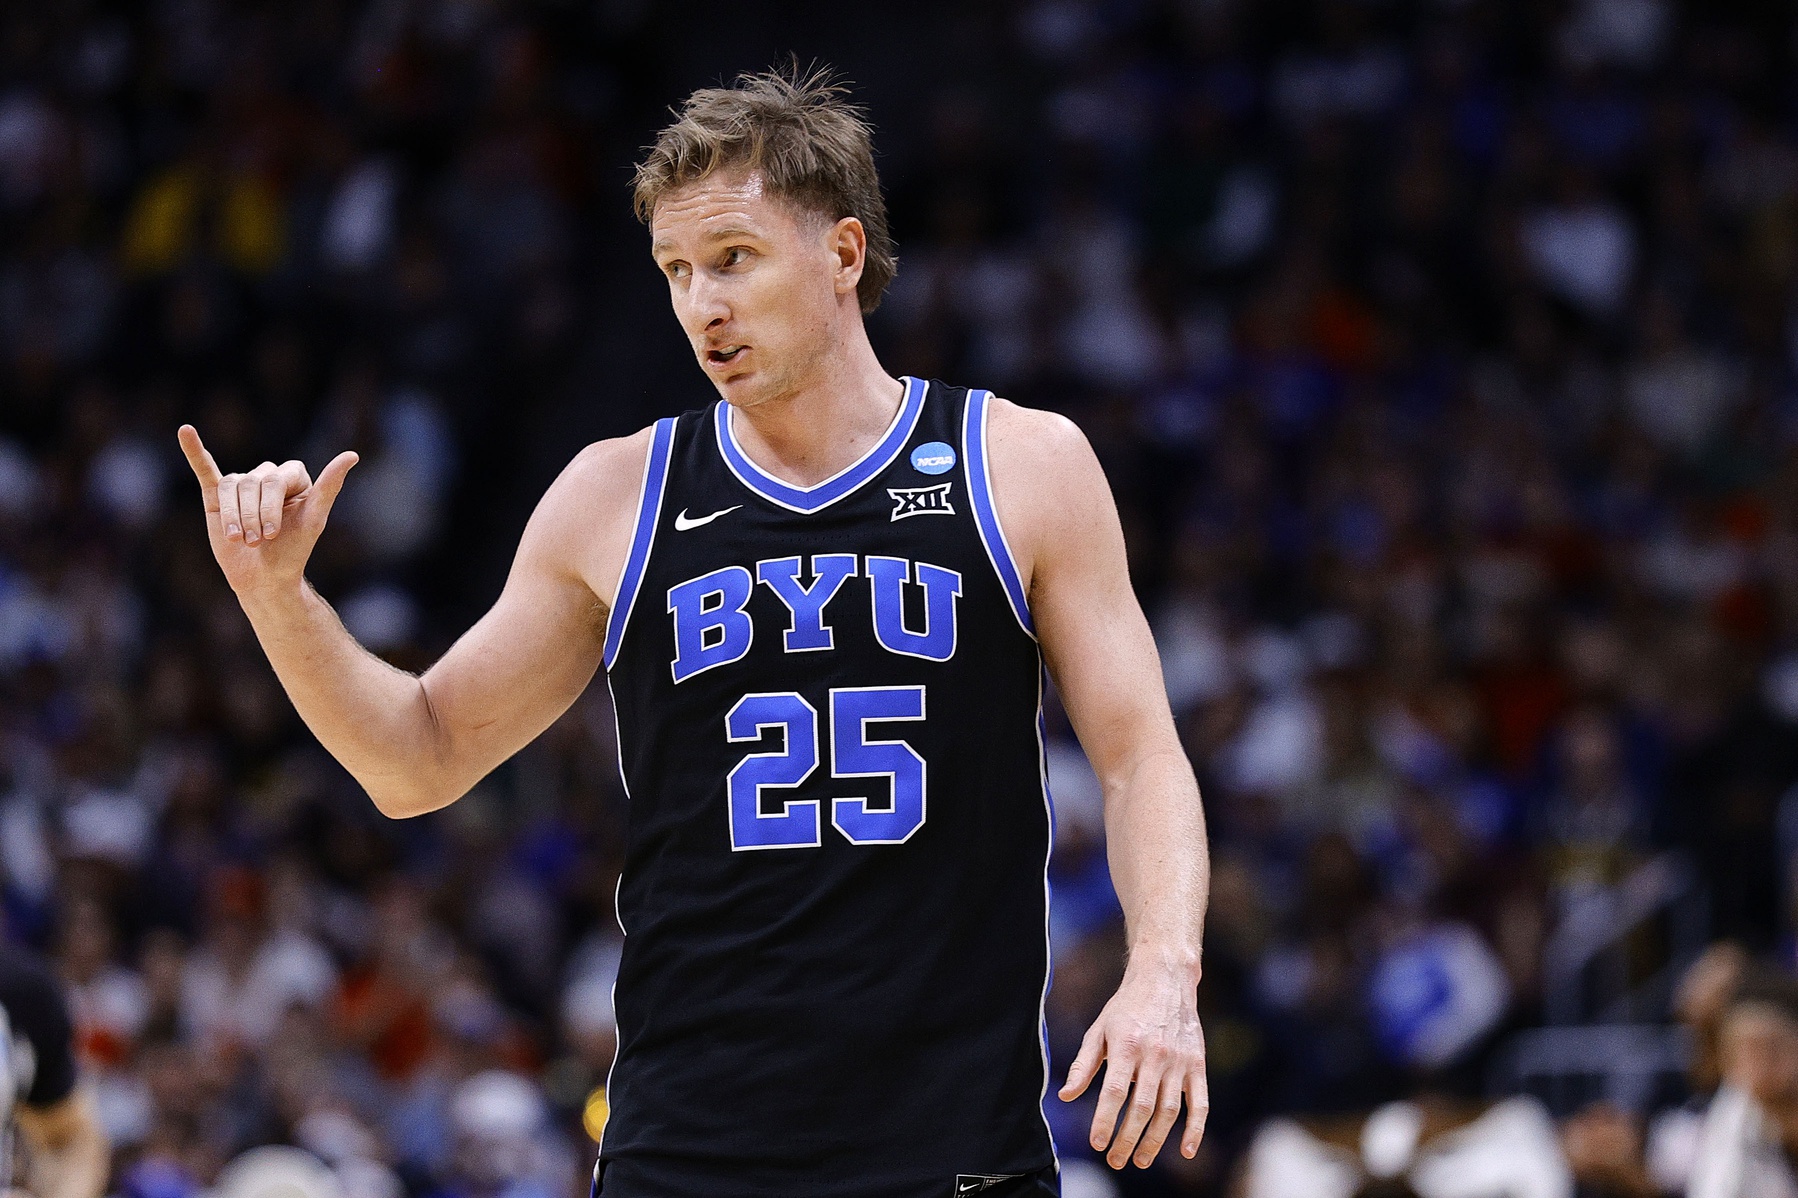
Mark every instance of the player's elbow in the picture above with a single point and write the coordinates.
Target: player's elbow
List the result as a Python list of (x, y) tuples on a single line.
[(417, 787), (425, 779), (396, 801), (1146, 767)]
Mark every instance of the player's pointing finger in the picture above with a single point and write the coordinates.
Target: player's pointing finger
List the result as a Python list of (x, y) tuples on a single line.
[(204, 468)]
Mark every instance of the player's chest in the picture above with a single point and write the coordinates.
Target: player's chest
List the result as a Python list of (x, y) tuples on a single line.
[(769, 588)]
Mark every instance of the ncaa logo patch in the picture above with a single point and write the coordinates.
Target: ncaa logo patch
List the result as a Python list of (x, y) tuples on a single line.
[(936, 457), (921, 501)]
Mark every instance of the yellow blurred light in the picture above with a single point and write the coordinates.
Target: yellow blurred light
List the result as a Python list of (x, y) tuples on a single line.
[(597, 1110)]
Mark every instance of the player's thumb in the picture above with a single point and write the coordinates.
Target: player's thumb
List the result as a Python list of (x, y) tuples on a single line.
[(329, 482)]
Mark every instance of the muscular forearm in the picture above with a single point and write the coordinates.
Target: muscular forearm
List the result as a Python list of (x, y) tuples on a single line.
[(1155, 828), (1149, 1034), (416, 744), (1099, 649), (373, 718)]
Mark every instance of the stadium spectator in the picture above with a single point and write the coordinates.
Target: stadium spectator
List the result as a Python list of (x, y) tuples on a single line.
[(50, 1141), (1745, 1146)]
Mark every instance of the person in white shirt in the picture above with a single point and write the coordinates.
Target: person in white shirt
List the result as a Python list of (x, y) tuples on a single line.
[(1422, 1148), (1748, 1147)]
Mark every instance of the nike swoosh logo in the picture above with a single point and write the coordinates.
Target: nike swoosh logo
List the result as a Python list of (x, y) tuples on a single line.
[(682, 522)]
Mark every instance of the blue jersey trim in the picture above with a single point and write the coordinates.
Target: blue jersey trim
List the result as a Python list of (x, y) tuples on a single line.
[(649, 510), (986, 514), (818, 496)]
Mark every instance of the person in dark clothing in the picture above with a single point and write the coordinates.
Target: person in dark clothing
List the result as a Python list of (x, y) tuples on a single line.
[(65, 1154)]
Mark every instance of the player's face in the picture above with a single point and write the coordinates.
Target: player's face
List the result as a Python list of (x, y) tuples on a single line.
[(756, 284)]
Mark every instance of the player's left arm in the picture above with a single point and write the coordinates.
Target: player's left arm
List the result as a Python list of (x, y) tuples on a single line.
[(1063, 527)]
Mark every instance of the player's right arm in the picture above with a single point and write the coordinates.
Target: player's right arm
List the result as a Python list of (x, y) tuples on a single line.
[(419, 742)]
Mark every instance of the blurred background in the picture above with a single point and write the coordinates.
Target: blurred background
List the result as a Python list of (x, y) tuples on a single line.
[(1443, 355)]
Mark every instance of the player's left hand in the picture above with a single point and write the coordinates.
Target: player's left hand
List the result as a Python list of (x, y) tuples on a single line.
[(1154, 1049)]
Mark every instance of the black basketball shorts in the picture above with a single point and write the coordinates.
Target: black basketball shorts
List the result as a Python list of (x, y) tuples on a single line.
[(1041, 1184)]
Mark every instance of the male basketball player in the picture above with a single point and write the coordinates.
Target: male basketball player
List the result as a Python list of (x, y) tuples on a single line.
[(823, 606)]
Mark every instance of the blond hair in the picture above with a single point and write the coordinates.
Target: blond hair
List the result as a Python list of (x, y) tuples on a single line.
[(797, 129)]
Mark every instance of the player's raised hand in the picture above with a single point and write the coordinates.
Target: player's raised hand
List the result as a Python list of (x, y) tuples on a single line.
[(263, 524), (1149, 1038)]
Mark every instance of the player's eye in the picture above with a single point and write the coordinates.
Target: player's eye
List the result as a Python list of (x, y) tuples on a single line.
[(676, 270), (736, 256)]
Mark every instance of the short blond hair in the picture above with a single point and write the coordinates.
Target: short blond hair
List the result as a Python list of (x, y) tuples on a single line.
[(801, 133)]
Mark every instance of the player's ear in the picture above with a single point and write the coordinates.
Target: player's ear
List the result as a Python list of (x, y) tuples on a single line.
[(849, 245)]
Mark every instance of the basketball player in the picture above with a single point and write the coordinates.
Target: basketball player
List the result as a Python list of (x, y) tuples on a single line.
[(823, 606)]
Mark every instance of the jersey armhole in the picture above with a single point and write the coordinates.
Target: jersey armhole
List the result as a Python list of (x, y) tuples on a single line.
[(986, 512), (643, 535)]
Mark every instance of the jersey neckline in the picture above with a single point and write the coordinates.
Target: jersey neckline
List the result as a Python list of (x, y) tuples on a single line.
[(821, 495)]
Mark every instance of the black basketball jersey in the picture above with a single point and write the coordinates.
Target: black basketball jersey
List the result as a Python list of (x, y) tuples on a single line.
[(834, 894)]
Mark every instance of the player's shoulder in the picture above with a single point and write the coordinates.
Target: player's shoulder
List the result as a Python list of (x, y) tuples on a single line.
[(601, 460), (596, 491), (605, 473), (1038, 449)]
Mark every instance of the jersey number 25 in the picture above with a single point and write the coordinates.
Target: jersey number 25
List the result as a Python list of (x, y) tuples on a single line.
[(799, 822)]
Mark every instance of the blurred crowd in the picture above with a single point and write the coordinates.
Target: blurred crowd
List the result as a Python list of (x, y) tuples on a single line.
[(1443, 355)]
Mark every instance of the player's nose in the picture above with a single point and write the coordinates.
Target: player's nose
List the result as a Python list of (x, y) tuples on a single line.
[(706, 308)]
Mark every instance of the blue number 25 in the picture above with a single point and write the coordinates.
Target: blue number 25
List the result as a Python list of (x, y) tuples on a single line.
[(798, 822)]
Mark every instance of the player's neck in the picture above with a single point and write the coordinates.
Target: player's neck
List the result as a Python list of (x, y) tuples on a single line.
[(824, 423)]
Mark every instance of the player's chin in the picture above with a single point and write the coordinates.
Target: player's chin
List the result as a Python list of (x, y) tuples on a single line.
[(739, 387)]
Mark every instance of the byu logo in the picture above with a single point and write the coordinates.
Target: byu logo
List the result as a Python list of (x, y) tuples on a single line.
[(713, 625), (921, 501)]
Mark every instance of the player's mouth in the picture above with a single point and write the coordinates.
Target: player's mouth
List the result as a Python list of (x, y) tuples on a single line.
[(724, 356)]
